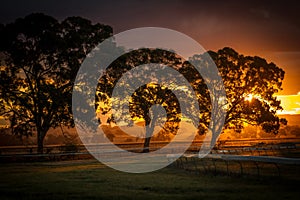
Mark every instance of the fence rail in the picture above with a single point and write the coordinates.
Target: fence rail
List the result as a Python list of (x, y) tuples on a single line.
[(264, 158), (238, 165), (223, 146)]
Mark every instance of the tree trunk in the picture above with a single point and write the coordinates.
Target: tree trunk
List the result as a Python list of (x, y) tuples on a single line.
[(149, 133), (40, 141), (146, 145), (150, 129)]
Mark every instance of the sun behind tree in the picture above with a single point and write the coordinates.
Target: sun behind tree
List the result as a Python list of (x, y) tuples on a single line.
[(243, 76)]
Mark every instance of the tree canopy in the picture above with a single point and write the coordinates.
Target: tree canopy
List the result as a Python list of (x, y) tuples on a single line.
[(250, 83), (41, 57)]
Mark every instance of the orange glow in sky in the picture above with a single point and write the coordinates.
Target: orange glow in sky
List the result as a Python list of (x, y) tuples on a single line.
[(290, 104)]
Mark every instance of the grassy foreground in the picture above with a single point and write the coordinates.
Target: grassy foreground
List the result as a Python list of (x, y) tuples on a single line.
[(91, 180)]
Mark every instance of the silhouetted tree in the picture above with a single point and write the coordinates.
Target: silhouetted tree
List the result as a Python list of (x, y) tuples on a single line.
[(145, 96), (42, 57), (144, 103), (250, 84)]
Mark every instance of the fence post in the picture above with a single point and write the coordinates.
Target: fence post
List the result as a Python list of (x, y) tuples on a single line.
[(195, 163), (257, 168), (241, 167), (279, 174)]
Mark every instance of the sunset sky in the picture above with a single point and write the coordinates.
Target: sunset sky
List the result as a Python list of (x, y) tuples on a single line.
[(270, 29)]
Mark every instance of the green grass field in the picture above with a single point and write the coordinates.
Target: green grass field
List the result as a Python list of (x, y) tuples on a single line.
[(89, 179)]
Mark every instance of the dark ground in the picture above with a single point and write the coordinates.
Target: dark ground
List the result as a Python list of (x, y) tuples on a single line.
[(89, 179)]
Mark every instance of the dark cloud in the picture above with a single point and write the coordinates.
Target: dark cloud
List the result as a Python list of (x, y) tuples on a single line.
[(251, 27)]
